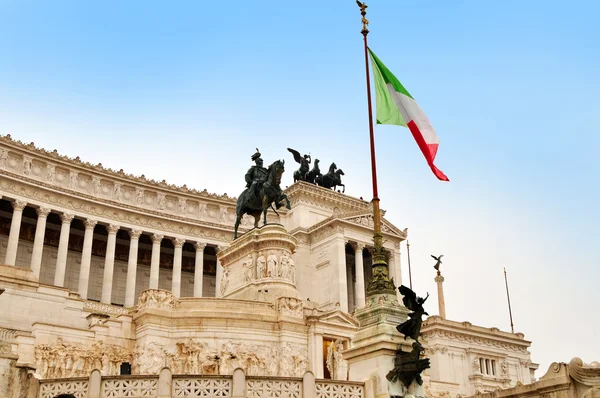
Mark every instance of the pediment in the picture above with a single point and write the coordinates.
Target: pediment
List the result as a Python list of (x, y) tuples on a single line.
[(365, 219), (337, 317)]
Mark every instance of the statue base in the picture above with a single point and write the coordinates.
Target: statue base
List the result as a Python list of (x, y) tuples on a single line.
[(258, 266)]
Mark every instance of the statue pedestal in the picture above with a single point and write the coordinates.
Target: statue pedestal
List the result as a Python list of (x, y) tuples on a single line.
[(375, 344), (259, 266)]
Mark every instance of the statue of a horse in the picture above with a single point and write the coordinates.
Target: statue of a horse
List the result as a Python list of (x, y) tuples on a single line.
[(267, 193), (332, 179), (313, 173)]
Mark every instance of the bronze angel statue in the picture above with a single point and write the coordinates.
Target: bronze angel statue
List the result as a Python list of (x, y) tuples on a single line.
[(412, 327), (300, 174)]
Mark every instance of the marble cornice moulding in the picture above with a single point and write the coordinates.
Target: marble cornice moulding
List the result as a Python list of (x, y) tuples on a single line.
[(30, 151), (475, 339), (139, 218), (436, 323), (319, 194)]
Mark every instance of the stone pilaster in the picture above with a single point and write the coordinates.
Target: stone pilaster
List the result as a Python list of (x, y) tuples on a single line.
[(177, 254), (199, 268), (155, 260), (63, 248), (109, 263), (86, 257), (132, 267), (38, 241), (15, 229)]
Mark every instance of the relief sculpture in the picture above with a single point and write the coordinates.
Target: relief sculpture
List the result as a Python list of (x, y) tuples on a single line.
[(75, 360)]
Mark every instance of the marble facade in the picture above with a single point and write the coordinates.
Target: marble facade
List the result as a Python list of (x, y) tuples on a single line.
[(101, 268)]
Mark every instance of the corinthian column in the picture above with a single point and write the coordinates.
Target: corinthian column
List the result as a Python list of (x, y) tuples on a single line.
[(109, 263), (63, 247), (176, 283), (199, 268), (132, 267), (155, 261), (359, 286), (38, 241), (86, 257), (15, 229)]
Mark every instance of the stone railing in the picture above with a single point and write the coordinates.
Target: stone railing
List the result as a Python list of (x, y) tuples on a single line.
[(167, 385), (77, 386), (128, 386), (281, 387), (339, 389)]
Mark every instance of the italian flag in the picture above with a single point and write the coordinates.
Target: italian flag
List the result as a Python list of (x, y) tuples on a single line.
[(396, 106)]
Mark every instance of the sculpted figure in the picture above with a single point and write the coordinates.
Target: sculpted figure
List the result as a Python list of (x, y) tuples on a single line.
[(261, 266), (262, 191), (256, 175), (50, 172), (300, 174), (73, 179), (271, 264), (117, 191), (96, 183), (336, 364), (27, 166), (438, 260), (3, 157), (139, 196), (202, 211), (412, 327), (162, 201), (248, 265), (291, 270), (224, 280), (284, 266)]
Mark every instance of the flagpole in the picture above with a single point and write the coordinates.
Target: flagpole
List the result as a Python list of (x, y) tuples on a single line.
[(379, 283), (409, 274), (512, 327)]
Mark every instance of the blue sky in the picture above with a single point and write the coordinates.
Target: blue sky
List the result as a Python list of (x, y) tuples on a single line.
[(173, 90)]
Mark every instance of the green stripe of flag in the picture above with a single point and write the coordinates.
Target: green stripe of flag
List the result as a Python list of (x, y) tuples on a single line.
[(387, 109)]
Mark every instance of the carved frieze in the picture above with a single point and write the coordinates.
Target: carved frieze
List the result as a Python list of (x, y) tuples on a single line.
[(155, 298), (75, 360)]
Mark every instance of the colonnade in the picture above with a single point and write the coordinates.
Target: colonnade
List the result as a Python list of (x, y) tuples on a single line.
[(109, 262)]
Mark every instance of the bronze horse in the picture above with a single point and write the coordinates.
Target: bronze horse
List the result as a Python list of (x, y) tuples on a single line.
[(313, 173), (332, 179), (268, 192)]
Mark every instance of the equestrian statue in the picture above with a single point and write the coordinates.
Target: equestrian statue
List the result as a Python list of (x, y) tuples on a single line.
[(262, 190), (300, 174)]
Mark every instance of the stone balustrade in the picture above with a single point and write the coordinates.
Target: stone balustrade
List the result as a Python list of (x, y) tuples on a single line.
[(166, 385)]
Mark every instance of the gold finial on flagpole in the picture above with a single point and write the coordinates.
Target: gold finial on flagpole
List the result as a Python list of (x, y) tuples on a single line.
[(365, 21)]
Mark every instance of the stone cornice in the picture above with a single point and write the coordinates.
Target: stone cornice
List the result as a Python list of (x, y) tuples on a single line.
[(31, 151), (435, 326), (89, 207), (319, 194)]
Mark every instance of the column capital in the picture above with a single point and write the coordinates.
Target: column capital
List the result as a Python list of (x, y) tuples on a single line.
[(439, 278), (178, 242), (90, 223), (66, 218), (220, 248), (112, 228), (19, 205), (42, 211), (199, 246), (357, 246), (135, 233), (157, 238)]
